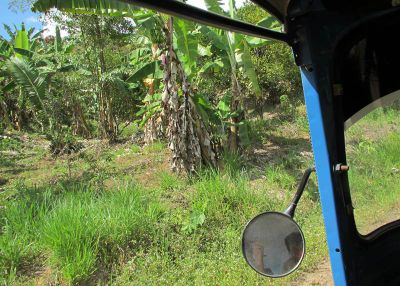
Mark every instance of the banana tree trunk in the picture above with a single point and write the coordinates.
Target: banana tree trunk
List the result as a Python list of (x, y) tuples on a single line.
[(108, 124), (21, 107), (188, 138), (153, 129), (4, 115), (233, 136), (80, 125)]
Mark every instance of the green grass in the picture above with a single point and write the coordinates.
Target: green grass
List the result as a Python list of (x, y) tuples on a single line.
[(210, 253), (100, 226), (135, 148), (85, 228), (375, 178), (9, 144), (81, 233), (78, 228), (153, 148), (171, 182)]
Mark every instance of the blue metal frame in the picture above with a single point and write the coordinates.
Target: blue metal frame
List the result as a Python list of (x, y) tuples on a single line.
[(324, 170)]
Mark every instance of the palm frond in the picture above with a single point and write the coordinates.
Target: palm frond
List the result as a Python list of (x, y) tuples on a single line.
[(31, 82), (8, 30), (244, 60), (215, 6), (102, 7)]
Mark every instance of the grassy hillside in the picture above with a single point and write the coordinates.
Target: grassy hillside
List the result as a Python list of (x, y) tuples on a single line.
[(116, 215)]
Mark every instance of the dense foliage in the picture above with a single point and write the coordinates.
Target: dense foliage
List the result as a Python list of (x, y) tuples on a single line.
[(111, 72)]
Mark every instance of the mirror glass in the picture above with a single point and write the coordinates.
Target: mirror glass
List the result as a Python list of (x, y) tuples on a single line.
[(273, 244)]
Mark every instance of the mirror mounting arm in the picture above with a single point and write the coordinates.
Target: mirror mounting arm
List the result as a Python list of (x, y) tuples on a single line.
[(180, 9), (300, 189)]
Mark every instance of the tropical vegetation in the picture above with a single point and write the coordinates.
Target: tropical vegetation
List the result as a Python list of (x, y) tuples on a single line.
[(135, 146), (125, 66)]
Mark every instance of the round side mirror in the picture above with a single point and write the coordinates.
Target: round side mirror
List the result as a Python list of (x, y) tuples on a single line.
[(273, 244)]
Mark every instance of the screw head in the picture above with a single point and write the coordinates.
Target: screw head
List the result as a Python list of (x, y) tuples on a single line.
[(340, 168)]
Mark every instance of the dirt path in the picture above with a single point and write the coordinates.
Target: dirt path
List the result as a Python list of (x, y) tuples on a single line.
[(321, 275)]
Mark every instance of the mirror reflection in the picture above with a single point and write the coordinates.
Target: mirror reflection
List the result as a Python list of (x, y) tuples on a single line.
[(273, 244)]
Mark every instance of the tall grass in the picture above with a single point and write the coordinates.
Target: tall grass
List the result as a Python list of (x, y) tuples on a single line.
[(19, 221), (81, 230), (375, 180), (224, 198)]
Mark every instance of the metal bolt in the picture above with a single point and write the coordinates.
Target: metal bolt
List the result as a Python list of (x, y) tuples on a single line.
[(340, 168)]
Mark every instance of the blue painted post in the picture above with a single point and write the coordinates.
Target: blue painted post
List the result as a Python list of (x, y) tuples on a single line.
[(324, 174)]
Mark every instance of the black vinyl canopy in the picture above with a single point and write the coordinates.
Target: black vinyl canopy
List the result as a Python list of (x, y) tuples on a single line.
[(278, 8), (180, 9)]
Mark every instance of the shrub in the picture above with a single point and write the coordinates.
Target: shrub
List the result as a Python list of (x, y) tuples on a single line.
[(63, 143), (287, 109), (9, 144)]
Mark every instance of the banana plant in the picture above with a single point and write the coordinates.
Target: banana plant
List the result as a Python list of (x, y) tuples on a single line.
[(99, 7), (188, 138), (17, 71), (234, 56), (20, 45), (29, 80), (29, 66), (106, 79), (5, 84)]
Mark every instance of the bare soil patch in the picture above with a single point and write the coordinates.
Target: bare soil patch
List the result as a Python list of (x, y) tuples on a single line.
[(322, 275)]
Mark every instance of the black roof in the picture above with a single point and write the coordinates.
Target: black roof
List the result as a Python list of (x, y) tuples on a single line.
[(279, 7)]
